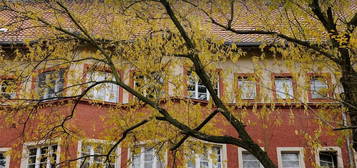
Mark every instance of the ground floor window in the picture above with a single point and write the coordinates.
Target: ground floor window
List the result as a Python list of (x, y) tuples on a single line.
[(94, 154), (146, 157), (248, 160), (291, 157), (210, 157), (44, 156), (4, 158), (329, 157)]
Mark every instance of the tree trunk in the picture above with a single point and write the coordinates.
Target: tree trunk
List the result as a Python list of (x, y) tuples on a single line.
[(349, 83)]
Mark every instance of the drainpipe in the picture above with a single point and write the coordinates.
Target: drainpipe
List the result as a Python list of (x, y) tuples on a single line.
[(348, 144)]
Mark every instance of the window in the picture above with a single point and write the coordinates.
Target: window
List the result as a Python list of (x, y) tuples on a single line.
[(290, 157), (247, 88), (318, 88), (106, 91), (93, 155), (143, 157), (284, 87), (210, 158), (50, 83), (7, 88), (42, 157), (329, 157), (197, 90), (4, 158), (247, 160), (250, 161), (150, 86)]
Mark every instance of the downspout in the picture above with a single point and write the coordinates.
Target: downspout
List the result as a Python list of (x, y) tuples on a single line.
[(348, 144)]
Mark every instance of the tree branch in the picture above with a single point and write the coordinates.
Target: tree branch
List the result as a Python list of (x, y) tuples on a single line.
[(352, 24), (196, 129), (124, 134)]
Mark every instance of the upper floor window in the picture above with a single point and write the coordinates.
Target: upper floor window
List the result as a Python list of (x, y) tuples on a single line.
[(247, 88), (106, 91), (151, 86), (211, 157), (318, 87), (143, 157), (50, 83), (284, 88), (42, 156), (7, 87), (93, 155), (197, 90)]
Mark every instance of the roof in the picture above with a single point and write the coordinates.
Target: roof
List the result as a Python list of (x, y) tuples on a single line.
[(25, 30)]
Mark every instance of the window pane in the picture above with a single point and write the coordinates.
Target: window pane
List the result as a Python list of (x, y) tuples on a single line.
[(136, 161), (7, 88), (284, 88), (290, 160), (217, 156), (105, 91), (148, 158), (50, 83), (249, 161), (247, 88), (328, 159), (318, 88), (2, 160), (204, 159)]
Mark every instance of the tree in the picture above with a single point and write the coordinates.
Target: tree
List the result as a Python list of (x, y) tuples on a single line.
[(171, 38), (334, 40)]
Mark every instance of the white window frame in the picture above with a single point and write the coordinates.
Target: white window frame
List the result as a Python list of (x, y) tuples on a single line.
[(210, 162), (79, 151), (4, 94), (315, 91), (135, 82), (286, 91), (240, 157), (7, 156), (330, 149), (55, 87), (38, 144), (142, 148), (196, 88), (245, 79), (299, 150), (94, 92)]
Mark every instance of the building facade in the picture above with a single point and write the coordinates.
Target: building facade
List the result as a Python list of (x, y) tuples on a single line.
[(283, 107)]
